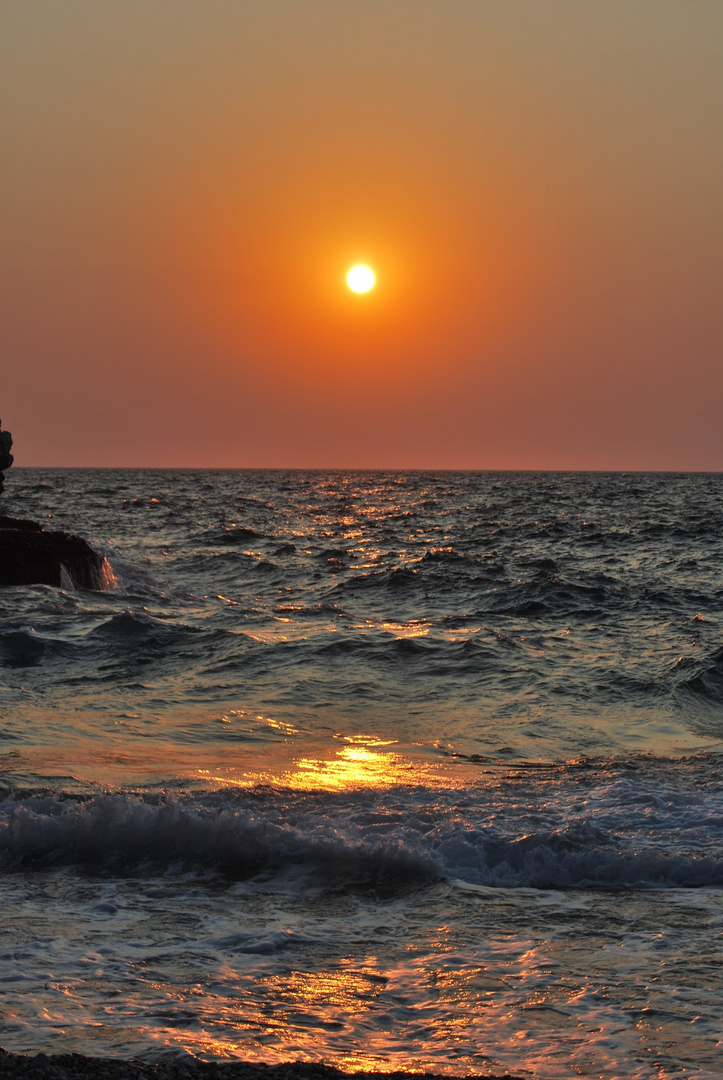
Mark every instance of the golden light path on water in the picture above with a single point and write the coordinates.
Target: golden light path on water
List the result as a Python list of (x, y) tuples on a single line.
[(350, 990), (355, 986), (363, 761), (336, 763)]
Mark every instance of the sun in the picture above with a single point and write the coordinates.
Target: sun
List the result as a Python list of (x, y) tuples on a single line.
[(361, 278)]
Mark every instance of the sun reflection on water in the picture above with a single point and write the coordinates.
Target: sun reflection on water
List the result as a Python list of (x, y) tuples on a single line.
[(363, 761), (353, 766)]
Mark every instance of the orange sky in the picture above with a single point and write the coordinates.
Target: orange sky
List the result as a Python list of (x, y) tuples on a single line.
[(537, 184)]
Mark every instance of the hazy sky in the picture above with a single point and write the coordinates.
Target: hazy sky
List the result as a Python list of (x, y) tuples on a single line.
[(538, 185)]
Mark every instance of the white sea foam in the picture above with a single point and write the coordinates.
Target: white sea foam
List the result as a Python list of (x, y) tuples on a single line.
[(660, 825)]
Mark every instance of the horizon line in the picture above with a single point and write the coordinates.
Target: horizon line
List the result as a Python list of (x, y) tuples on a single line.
[(366, 469)]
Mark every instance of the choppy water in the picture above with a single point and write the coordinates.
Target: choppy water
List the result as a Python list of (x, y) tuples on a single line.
[(387, 770)]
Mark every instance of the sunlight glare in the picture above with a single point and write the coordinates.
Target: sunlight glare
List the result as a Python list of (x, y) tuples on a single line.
[(360, 278)]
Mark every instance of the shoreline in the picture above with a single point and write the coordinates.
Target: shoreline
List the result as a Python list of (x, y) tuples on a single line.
[(79, 1067)]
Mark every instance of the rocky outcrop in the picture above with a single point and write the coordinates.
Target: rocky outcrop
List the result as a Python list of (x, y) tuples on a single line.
[(32, 555), (6, 458)]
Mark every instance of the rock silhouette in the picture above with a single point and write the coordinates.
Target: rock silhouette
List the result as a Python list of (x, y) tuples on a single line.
[(6, 458), (30, 555)]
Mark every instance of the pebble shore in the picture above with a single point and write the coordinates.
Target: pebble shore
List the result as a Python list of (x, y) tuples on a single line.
[(79, 1067)]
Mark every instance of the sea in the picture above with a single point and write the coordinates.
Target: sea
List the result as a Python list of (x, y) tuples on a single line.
[(389, 770)]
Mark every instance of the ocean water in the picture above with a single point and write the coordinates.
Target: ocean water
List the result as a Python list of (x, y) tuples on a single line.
[(389, 770)]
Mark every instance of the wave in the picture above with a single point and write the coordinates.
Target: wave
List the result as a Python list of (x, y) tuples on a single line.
[(340, 842), (21, 648), (129, 625), (483, 585), (125, 832), (137, 637), (706, 685), (233, 534), (24, 647)]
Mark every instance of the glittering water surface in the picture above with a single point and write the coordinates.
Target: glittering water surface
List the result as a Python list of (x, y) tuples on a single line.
[(390, 770)]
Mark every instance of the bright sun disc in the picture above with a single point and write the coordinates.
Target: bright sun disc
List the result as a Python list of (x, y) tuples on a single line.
[(360, 278)]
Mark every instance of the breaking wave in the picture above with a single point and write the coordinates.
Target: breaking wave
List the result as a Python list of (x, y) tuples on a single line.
[(400, 837)]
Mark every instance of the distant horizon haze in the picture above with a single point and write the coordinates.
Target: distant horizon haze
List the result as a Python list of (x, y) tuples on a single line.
[(352, 469)]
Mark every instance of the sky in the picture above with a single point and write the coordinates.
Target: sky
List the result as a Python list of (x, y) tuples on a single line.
[(537, 184)]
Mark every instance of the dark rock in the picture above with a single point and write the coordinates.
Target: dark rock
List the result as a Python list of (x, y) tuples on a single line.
[(6, 458), (30, 555), (20, 523)]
